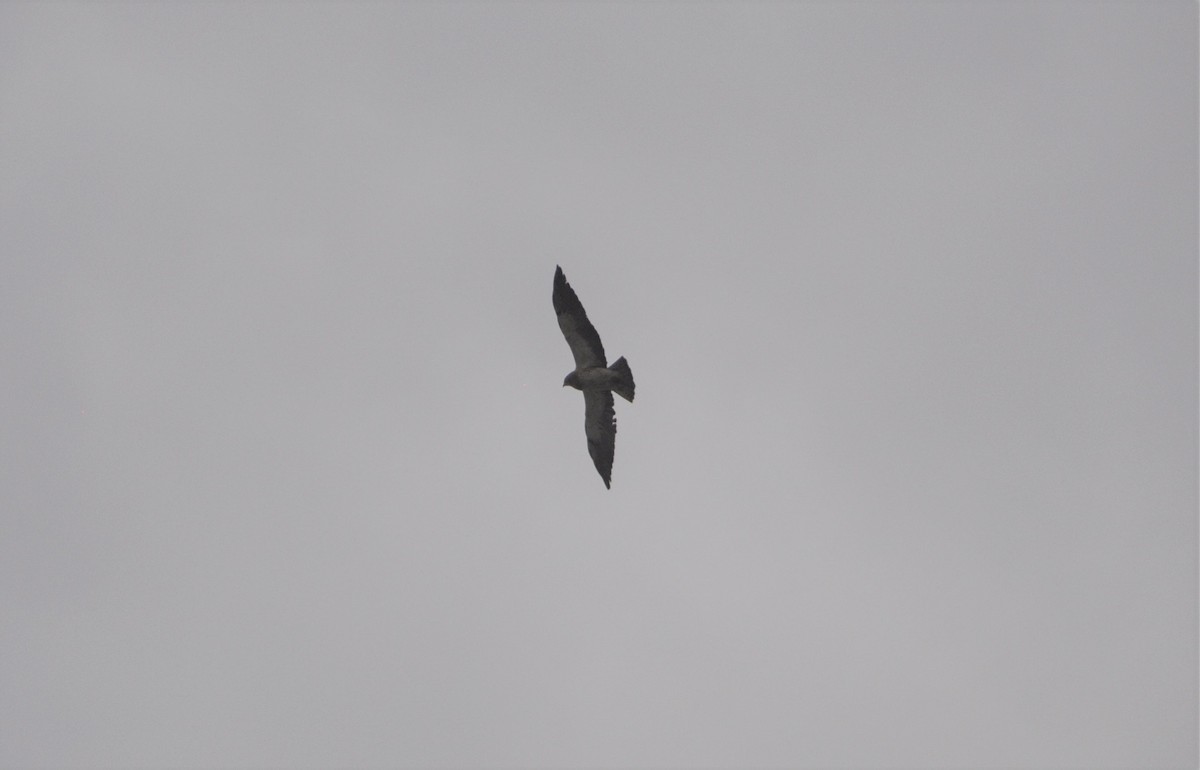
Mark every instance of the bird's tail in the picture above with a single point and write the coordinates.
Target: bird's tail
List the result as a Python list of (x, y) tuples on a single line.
[(624, 388)]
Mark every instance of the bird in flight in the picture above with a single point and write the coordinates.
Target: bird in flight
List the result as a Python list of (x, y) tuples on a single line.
[(592, 375)]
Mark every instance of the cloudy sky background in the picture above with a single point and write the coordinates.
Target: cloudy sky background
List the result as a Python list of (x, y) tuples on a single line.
[(287, 476)]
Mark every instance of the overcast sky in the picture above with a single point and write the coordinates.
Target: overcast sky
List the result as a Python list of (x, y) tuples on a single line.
[(288, 477)]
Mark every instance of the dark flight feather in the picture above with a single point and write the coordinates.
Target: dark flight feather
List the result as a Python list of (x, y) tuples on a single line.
[(581, 336)]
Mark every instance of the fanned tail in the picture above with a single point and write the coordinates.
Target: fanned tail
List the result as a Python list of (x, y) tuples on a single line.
[(624, 388)]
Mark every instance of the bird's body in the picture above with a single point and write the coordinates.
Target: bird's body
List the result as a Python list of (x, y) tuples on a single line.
[(592, 376), (603, 378)]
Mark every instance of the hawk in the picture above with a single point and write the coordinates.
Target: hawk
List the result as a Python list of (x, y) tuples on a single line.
[(592, 375)]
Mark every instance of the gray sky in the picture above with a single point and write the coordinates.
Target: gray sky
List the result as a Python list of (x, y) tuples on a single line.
[(287, 476)]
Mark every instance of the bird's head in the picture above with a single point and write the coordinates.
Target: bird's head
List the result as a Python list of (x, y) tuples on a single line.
[(571, 379)]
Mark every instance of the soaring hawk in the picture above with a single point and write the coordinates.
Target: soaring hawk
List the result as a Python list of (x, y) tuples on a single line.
[(592, 375)]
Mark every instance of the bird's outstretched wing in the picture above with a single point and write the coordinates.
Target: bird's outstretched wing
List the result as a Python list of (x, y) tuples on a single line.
[(600, 425), (581, 335)]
